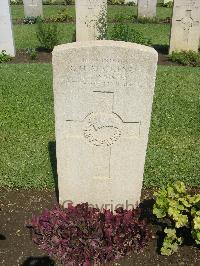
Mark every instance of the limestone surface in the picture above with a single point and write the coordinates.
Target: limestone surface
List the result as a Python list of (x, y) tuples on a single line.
[(91, 19), (147, 8), (185, 29), (103, 94), (33, 8), (6, 30)]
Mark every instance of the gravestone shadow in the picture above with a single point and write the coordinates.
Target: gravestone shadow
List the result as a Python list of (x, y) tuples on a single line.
[(53, 160), (162, 49), (2, 237), (38, 261)]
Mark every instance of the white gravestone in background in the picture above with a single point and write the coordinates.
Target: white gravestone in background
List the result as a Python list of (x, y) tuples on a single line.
[(185, 25), (33, 8), (147, 8), (6, 31), (91, 16), (103, 94)]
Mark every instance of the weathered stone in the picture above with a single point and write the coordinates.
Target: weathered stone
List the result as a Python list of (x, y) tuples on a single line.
[(185, 25), (147, 8), (6, 31), (103, 93), (91, 19), (33, 8)]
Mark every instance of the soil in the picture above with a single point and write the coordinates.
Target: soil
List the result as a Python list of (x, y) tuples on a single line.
[(16, 247), (46, 57)]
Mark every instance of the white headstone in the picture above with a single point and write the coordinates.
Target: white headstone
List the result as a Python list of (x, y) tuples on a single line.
[(185, 26), (33, 8), (91, 16), (131, 1), (6, 31), (147, 8), (103, 94)]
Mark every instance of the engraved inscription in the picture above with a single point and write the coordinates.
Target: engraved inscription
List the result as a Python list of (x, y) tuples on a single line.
[(102, 129)]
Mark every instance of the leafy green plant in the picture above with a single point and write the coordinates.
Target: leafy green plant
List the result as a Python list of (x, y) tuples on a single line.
[(169, 4), (115, 2), (126, 33), (69, 2), (16, 2), (62, 16), (30, 20), (4, 57), (47, 35), (32, 53), (179, 210), (146, 20), (187, 58)]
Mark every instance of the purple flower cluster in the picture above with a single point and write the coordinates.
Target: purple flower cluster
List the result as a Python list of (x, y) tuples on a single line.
[(82, 235)]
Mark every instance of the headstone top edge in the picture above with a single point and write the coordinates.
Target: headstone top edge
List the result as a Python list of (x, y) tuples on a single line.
[(90, 44)]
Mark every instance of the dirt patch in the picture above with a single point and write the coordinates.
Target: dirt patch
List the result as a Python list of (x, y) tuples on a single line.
[(16, 247), (23, 57)]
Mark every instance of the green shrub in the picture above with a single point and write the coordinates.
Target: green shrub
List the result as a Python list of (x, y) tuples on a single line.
[(30, 20), (123, 32), (115, 2), (169, 4), (62, 16), (145, 20), (47, 35), (69, 2), (185, 58), (4, 57), (32, 53), (16, 2), (181, 212)]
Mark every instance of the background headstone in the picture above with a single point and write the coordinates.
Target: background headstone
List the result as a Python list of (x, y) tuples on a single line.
[(103, 93), (6, 31), (185, 25), (33, 8), (147, 8), (91, 18), (131, 1)]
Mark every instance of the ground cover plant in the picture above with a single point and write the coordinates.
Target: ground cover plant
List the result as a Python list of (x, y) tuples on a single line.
[(185, 58), (126, 33), (180, 211), (4, 57), (82, 235), (47, 35)]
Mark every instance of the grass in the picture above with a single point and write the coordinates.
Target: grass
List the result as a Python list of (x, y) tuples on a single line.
[(25, 35), (130, 11), (27, 127)]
